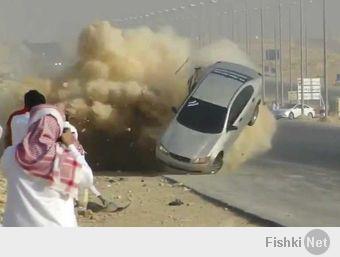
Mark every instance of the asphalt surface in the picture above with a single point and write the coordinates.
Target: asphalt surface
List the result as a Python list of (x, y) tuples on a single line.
[(297, 183)]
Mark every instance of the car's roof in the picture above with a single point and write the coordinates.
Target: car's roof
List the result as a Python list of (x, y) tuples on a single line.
[(221, 82)]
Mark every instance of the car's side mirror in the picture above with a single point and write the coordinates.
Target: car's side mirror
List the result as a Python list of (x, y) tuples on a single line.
[(174, 110)]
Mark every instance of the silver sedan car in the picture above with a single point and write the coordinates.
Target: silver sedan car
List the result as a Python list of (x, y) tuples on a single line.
[(222, 100)]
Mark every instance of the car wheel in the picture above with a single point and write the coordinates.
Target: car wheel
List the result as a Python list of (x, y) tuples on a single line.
[(255, 116), (310, 115), (217, 165), (291, 116)]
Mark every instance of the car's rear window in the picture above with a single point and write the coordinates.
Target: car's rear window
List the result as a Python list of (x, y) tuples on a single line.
[(217, 89)]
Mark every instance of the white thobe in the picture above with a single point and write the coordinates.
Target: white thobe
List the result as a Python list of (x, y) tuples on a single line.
[(30, 200)]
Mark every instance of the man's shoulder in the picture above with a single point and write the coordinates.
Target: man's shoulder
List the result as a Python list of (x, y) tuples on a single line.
[(19, 112), (22, 112)]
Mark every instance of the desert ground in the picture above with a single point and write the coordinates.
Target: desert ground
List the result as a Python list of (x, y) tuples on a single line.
[(149, 201)]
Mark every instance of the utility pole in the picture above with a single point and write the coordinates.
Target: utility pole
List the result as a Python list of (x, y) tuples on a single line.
[(209, 25), (250, 30), (200, 23), (325, 56), (232, 23), (301, 60), (246, 26), (263, 56), (306, 50), (281, 55), (290, 49), (212, 23), (276, 76)]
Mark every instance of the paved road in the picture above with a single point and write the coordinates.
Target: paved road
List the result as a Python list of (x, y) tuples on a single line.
[(297, 183)]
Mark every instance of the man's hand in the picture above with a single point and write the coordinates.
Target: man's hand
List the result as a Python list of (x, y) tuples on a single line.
[(67, 138)]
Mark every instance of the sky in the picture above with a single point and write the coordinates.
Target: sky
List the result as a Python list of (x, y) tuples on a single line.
[(60, 20)]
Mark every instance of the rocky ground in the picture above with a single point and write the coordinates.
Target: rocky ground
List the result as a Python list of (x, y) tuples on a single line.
[(2, 196), (153, 202)]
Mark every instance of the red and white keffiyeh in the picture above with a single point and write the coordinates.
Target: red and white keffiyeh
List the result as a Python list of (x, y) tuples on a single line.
[(41, 155)]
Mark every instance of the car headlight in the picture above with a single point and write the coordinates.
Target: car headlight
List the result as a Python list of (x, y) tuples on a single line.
[(163, 150), (202, 160)]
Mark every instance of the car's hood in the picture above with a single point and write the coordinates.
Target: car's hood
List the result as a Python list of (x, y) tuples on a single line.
[(185, 142)]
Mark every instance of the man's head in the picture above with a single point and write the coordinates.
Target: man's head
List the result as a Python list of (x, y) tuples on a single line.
[(34, 98)]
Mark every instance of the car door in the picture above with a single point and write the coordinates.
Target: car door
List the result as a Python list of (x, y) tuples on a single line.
[(239, 114), (297, 110), (240, 111), (308, 110)]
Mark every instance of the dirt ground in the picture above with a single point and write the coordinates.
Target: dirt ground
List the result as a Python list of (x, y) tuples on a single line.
[(2, 196), (149, 199)]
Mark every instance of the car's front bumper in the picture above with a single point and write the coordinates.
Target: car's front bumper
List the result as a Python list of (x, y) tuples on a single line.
[(168, 160)]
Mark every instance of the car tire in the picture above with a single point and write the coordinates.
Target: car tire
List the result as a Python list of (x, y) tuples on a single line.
[(217, 164), (291, 116), (310, 115), (255, 116)]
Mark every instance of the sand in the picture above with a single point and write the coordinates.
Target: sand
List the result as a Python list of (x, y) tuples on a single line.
[(150, 198)]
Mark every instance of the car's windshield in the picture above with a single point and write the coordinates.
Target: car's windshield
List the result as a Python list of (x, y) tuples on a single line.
[(203, 116)]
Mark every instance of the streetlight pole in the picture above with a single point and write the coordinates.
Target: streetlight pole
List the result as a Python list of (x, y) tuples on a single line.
[(232, 23), (290, 49), (191, 22), (301, 60), (276, 77), (325, 57), (246, 26), (263, 60), (281, 55), (306, 42), (213, 12), (202, 31), (209, 24), (306, 50)]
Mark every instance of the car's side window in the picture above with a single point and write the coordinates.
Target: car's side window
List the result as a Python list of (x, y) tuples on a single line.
[(239, 104)]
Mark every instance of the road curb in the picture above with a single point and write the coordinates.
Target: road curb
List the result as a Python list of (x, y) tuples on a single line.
[(247, 215)]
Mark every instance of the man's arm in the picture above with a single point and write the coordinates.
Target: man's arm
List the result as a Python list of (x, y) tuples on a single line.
[(8, 131), (86, 175), (8, 136)]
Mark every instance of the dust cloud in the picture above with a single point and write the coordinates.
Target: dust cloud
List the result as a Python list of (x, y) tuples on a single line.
[(120, 92), (253, 141), (12, 92), (222, 50)]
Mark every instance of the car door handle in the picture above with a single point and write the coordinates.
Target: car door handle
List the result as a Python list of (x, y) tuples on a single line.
[(253, 100)]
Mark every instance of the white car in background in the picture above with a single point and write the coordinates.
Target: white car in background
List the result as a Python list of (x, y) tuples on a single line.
[(222, 101), (293, 111)]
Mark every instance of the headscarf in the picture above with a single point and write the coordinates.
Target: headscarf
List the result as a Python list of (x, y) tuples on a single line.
[(41, 155)]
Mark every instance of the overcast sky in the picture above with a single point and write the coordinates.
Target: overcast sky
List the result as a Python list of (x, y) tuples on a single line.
[(58, 20)]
